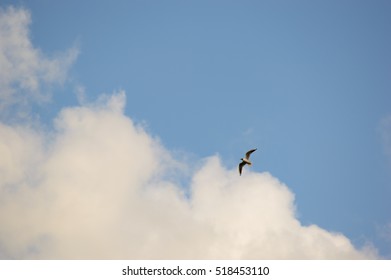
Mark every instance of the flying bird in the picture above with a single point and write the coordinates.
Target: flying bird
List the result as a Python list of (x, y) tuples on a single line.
[(245, 160)]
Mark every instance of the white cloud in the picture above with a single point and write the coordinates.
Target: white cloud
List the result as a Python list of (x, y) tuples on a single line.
[(25, 71), (94, 188)]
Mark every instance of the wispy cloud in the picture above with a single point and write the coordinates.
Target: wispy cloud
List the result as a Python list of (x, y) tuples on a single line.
[(26, 72)]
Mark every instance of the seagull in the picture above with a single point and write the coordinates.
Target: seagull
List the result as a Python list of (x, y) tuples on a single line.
[(245, 160)]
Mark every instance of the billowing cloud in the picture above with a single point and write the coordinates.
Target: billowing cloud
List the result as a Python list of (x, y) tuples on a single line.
[(98, 186), (25, 71)]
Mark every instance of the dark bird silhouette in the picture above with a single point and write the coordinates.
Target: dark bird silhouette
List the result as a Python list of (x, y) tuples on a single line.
[(245, 160)]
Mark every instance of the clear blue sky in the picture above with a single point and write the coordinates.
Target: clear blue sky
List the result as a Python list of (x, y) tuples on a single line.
[(306, 82)]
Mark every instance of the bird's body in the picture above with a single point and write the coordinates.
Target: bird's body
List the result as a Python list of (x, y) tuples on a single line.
[(245, 160)]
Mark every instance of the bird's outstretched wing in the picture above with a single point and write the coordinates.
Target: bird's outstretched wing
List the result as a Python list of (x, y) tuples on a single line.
[(249, 153), (241, 167)]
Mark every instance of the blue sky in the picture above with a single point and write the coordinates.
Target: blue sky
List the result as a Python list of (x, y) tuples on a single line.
[(306, 82)]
